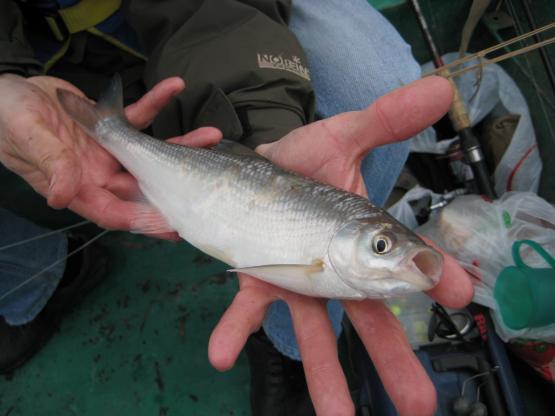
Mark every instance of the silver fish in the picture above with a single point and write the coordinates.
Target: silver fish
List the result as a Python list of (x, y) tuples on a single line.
[(278, 226)]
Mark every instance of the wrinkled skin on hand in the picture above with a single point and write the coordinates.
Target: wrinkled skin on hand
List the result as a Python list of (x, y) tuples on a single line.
[(42, 144)]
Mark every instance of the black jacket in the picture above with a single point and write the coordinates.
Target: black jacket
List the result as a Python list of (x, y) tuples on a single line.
[(245, 71)]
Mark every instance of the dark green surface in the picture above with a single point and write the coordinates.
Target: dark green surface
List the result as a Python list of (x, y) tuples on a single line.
[(138, 344)]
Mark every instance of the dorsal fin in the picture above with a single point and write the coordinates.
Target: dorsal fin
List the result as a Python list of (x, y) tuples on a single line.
[(230, 146)]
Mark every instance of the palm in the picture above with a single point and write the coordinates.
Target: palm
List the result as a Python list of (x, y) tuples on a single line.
[(41, 143), (331, 151), (342, 170), (35, 105), (96, 164)]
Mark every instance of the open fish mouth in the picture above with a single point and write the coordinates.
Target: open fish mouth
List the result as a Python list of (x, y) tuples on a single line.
[(422, 268), (420, 271)]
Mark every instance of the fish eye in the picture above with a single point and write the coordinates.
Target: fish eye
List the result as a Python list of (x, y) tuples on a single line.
[(382, 244)]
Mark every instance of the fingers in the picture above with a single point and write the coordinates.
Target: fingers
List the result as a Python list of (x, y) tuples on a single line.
[(201, 137), (318, 347), (403, 377), (454, 289), (141, 113), (103, 208), (243, 317), (326, 381), (108, 211)]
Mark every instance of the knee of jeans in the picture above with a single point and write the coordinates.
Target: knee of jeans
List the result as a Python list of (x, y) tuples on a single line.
[(338, 39)]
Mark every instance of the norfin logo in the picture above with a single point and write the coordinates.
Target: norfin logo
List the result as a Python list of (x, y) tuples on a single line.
[(279, 62)]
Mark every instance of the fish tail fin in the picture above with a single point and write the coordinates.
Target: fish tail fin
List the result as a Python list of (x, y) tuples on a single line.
[(87, 113)]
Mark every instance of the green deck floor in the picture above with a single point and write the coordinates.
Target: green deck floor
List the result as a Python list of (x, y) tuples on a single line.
[(138, 344)]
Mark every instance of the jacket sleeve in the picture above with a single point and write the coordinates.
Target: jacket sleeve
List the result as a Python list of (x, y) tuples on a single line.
[(245, 71), (16, 55)]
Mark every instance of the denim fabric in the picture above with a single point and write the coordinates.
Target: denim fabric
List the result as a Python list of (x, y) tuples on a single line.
[(19, 263), (354, 56)]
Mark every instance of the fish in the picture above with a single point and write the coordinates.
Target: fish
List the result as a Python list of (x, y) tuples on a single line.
[(273, 224)]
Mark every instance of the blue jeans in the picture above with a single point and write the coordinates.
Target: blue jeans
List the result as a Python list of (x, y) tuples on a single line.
[(19, 263), (354, 56)]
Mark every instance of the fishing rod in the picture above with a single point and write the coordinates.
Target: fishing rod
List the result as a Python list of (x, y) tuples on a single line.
[(459, 116)]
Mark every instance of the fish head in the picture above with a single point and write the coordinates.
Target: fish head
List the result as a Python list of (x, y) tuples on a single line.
[(381, 258)]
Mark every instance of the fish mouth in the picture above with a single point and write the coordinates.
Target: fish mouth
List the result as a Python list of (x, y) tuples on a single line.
[(422, 268), (420, 271)]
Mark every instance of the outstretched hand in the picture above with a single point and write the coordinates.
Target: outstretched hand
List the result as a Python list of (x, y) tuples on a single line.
[(331, 151), (42, 144)]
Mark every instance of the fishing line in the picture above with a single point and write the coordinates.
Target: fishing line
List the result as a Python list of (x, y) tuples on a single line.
[(33, 277), (492, 60), (49, 233), (486, 51)]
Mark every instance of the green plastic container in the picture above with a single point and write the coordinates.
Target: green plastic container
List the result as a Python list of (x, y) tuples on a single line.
[(526, 295)]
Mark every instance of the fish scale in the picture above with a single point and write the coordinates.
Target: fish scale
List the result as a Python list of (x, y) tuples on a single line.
[(281, 217)]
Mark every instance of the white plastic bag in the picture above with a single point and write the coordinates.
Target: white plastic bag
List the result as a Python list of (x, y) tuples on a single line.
[(520, 167), (480, 235)]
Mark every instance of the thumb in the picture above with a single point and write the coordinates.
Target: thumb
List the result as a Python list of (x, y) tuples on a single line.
[(396, 116), (58, 164)]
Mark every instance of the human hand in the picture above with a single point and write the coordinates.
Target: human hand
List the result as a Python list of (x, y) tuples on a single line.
[(331, 151), (42, 144)]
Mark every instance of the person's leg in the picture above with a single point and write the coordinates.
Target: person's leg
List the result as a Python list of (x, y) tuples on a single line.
[(354, 56), (22, 299), (36, 288)]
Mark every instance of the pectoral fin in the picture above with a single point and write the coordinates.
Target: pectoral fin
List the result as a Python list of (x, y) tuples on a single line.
[(146, 219), (296, 277)]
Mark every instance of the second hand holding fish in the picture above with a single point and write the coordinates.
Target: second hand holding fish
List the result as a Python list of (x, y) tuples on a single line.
[(341, 143)]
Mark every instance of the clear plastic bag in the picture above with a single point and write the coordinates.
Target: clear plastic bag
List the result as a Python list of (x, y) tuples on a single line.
[(480, 235)]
